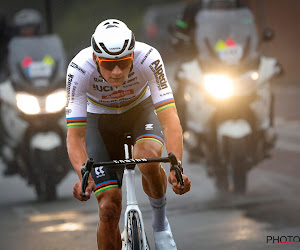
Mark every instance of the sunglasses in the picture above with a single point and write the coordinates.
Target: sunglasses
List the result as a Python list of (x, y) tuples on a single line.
[(122, 63)]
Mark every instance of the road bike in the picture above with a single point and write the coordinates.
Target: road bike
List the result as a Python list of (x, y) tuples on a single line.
[(134, 235)]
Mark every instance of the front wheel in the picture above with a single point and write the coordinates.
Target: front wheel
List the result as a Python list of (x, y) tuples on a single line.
[(239, 161), (44, 167), (46, 191), (239, 177), (134, 233)]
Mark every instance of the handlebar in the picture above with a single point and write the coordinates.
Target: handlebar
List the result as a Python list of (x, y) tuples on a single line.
[(89, 164)]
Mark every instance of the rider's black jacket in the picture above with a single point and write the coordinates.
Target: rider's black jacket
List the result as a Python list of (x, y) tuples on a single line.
[(4, 38)]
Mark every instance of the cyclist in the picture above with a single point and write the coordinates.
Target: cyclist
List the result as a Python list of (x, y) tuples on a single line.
[(118, 86)]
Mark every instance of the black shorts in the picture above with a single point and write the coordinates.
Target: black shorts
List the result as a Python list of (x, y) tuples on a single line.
[(105, 139)]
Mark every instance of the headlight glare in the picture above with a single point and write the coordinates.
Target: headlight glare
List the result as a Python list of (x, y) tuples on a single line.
[(28, 104), (254, 76), (56, 101), (219, 86)]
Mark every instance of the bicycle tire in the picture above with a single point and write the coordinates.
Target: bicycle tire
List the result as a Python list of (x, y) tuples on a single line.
[(135, 231)]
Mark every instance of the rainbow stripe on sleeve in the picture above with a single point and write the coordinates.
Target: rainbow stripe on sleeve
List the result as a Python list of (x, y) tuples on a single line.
[(105, 186), (151, 137), (76, 122), (164, 105)]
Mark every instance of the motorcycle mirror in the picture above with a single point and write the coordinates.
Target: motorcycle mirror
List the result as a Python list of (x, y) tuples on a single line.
[(268, 34)]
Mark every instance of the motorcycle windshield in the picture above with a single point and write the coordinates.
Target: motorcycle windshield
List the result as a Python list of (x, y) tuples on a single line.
[(228, 36), (37, 64)]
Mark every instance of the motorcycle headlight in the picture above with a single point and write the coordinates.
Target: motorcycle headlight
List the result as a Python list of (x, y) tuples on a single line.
[(254, 76), (56, 101), (28, 104), (219, 86)]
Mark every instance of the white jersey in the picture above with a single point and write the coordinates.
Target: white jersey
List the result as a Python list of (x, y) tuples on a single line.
[(88, 91)]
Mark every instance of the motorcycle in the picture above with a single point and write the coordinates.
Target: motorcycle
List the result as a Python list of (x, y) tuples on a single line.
[(33, 106), (228, 100)]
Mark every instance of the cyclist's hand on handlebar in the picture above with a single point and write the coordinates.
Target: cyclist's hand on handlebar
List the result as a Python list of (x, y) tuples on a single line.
[(77, 190), (176, 185)]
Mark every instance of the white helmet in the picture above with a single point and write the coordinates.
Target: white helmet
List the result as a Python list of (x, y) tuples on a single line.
[(112, 39), (27, 17)]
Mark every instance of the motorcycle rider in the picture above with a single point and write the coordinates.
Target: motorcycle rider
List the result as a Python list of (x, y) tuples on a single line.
[(4, 37), (26, 23), (183, 40)]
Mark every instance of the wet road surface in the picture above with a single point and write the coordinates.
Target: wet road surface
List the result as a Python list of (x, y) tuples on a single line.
[(200, 219)]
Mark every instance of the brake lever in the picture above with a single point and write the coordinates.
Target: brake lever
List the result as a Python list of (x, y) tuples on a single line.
[(85, 172), (178, 174), (84, 182), (175, 165)]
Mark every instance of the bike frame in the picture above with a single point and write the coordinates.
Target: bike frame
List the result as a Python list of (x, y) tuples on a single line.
[(129, 175), (132, 204)]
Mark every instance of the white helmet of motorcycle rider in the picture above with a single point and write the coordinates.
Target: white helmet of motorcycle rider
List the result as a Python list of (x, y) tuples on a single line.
[(112, 39), (27, 22), (224, 4)]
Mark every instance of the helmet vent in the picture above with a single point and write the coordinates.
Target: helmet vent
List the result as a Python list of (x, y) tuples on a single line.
[(132, 43), (115, 53), (111, 26), (95, 47)]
